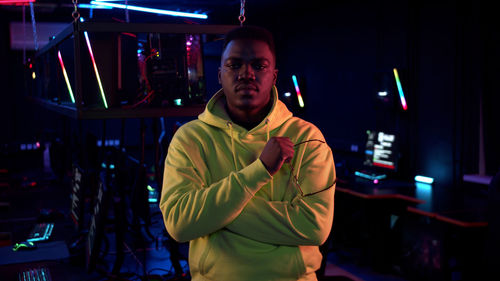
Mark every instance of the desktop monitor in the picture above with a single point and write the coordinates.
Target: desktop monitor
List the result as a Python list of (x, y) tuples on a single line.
[(381, 152)]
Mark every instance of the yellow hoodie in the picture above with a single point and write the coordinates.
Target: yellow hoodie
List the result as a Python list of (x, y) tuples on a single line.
[(243, 223)]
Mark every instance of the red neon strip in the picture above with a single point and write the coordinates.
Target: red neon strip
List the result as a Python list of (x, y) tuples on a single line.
[(129, 34), (384, 165), (16, 3)]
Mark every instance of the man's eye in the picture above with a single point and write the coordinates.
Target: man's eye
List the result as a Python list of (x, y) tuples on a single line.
[(233, 65), (259, 66)]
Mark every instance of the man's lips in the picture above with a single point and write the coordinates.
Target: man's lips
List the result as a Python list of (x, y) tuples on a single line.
[(246, 88)]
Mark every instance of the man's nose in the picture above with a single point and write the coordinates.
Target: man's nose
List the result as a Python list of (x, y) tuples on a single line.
[(246, 72)]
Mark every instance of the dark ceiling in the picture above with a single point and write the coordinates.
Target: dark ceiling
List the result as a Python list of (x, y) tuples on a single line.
[(218, 11)]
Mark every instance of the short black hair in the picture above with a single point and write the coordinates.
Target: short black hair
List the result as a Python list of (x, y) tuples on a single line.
[(252, 33)]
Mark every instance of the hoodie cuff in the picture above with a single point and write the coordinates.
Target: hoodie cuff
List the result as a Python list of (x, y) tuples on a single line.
[(255, 176)]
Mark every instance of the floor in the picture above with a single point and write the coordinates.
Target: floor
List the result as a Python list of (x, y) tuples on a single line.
[(37, 195)]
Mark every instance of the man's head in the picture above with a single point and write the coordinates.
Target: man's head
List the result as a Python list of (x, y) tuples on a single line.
[(248, 70), (251, 33)]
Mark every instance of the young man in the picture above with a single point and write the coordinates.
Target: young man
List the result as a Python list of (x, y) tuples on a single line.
[(249, 185)]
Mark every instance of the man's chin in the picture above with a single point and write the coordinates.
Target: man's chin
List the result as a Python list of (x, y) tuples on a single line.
[(246, 106)]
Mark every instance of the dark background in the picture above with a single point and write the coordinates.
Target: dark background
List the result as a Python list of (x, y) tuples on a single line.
[(447, 52)]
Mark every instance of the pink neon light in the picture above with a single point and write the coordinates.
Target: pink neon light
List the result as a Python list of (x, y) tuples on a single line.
[(299, 96), (16, 3), (95, 69), (66, 77)]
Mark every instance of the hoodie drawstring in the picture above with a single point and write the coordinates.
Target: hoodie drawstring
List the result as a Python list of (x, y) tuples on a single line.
[(267, 139), (233, 151), (232, 145)]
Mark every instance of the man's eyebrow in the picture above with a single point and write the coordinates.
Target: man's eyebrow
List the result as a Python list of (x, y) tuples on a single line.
[(233, 58), (241, 59)]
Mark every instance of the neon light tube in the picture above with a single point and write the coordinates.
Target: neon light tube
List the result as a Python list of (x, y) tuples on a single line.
[(299, 96), (424, 179), (103, 96), (400, 89), (150, 10), (89, 6), (388, 166), (66, 77), (16, 2)]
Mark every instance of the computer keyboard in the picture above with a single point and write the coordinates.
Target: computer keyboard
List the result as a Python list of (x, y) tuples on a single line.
[(35, 274), (40, 232)]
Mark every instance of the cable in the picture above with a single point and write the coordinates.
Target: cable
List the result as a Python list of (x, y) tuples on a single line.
[(33, 24), (145, 100)]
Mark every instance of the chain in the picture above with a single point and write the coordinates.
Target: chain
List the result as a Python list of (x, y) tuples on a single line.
[(242, 18), (75, 14)]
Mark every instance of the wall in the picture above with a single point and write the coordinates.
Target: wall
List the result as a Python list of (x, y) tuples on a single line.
[(447, 52)]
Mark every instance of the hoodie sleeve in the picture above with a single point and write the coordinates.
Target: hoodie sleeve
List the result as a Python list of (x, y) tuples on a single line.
[(190, 208), (306, 220)]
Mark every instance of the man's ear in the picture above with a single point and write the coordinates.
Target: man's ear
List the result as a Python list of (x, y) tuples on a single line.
[(275, 74), (218, 75)]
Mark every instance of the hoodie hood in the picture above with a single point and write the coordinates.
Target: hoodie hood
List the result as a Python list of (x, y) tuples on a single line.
[(216, 115)]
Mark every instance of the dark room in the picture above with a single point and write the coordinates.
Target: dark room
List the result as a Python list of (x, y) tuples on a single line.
[(249, 140)]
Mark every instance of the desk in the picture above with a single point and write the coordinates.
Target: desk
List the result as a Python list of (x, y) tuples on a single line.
[(366, 213), (393, 190), (460, 206), (451, 231), (426, 232)]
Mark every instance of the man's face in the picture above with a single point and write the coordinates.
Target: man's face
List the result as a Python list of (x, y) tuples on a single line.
[(247, 75)]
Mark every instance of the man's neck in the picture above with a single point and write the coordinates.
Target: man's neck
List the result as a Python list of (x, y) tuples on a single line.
[(248, 119)]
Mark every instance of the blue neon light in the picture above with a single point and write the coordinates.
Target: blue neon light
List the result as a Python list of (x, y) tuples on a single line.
[(151, 10), (89, 6), (299, 95), (400, 89)]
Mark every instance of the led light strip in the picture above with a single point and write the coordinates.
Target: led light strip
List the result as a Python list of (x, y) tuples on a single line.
[(89, 6), (400, 89), (16, 3), (299, 96), (150, 10), (95, 69), (66, 77), (424, 179), (46, 234)]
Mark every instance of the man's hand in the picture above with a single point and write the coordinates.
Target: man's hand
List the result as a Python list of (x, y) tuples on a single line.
[(277, 151)]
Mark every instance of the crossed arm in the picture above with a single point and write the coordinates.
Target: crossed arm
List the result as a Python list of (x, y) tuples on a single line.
[(192, 210)]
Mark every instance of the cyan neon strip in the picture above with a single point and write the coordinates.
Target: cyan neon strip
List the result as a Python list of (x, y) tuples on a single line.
[(400, 89), (370, 177), (103, 96), (424, 179), (150, 10), (66, 77), (299, 96), (89, 6)]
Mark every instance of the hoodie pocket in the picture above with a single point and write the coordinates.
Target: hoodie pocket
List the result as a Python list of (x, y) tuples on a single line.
[(300, 265), (207, 259)]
